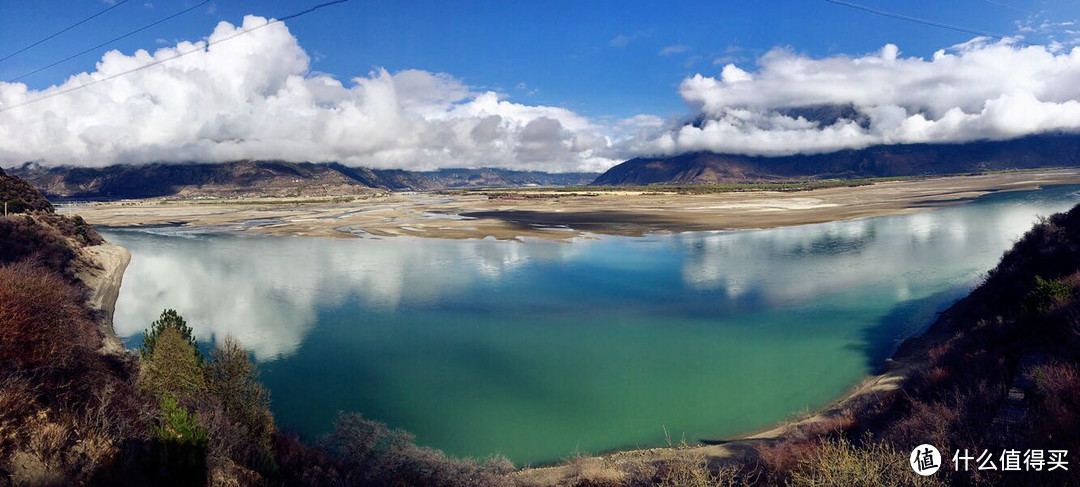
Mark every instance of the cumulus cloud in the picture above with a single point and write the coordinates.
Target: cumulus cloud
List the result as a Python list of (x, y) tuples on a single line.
[(793, 103), (255, 97)]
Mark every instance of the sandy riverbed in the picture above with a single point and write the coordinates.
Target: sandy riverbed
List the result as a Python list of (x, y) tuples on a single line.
[(558, 216)]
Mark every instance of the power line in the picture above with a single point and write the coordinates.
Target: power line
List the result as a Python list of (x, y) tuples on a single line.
[(929, 22), (72, 26), (1003, 4), (103, 44), (160, 61)]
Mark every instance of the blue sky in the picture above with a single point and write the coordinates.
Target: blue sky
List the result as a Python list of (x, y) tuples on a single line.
[(598, 58), (557, 86)]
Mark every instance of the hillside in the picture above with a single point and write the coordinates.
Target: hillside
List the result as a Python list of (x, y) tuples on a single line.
[(18, 196), (266, 178), (1054, 150)]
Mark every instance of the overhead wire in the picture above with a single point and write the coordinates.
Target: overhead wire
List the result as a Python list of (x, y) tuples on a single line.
[(179, 55), (110, 41), (61, 31), (929, 22)]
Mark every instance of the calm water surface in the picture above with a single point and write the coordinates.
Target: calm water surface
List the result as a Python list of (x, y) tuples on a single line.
[(542, 349)]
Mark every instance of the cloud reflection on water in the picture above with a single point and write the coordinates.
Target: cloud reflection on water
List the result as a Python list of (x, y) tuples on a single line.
[(266, 291), (792, 263)]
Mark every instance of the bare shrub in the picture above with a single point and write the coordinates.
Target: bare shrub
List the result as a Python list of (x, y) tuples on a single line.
[(245, 425), (17, 402), (839, 462), (694, 471), (373, 454), (73, 227), (26, 240), (1057, 410), (301, 464), (45, 325)]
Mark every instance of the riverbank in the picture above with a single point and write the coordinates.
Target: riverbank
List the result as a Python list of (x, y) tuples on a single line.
[(101, 269), (559, 215)]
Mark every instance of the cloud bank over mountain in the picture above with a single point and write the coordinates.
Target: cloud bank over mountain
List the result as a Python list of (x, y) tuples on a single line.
[(974, 91), (256, 97)]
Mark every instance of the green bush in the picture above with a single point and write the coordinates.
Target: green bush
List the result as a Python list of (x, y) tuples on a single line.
[(179, 426), (184, 442), (1046, 296)]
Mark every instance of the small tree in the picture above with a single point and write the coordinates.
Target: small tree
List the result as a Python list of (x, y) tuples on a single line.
[(169, 319), (173, 368), (233, 379)]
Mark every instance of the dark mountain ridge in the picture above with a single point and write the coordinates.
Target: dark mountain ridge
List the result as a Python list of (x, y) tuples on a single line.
[(267, 178), (1045, 150)]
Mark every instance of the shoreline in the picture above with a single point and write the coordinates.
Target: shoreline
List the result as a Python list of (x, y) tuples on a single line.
[(103, 272), (559, 216)]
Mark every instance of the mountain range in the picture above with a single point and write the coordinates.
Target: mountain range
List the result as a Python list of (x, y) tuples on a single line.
[(268, 178), (1047, 150), (305, 179)]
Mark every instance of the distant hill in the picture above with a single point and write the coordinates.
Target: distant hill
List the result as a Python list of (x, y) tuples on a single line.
[(1052, 150), (504, 178), (267, 178)]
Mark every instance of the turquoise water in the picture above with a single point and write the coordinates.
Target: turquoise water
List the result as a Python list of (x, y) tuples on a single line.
[(539, 350)]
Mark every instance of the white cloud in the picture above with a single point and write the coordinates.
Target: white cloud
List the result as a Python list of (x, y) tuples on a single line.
[(674, 49), (973, 91), (256, 97), (623, 40), (732, 54), (277, 305)]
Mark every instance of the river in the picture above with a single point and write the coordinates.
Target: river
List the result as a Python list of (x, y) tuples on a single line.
[(542, 349)]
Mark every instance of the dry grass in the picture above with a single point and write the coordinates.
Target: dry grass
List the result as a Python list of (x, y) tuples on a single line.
[(840, 462), (1058, 406), (50, 437)]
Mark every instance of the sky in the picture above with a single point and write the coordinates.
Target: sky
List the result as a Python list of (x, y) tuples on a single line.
[(555, 86)]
